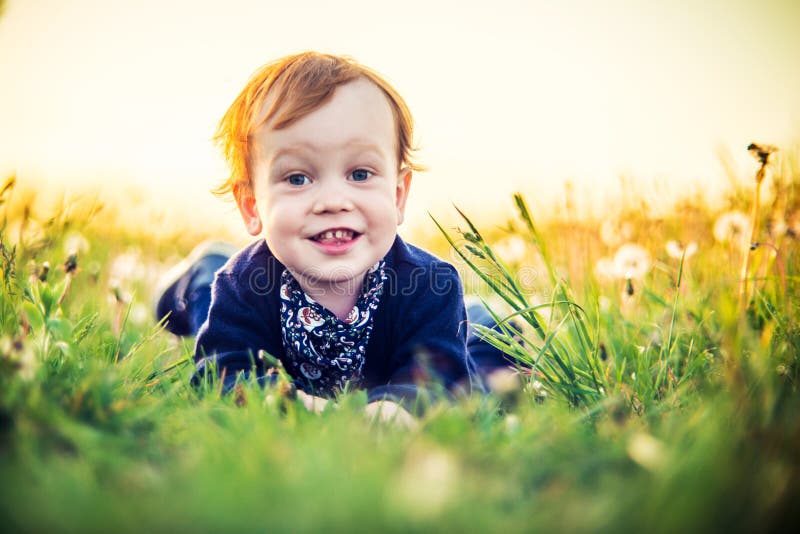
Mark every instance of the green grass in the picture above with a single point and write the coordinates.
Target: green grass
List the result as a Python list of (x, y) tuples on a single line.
[(650, 404)]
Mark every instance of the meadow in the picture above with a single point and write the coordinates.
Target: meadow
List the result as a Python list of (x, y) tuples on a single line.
[(653, 391)]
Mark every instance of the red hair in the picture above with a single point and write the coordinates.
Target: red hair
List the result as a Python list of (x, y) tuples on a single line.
[(298, 85)]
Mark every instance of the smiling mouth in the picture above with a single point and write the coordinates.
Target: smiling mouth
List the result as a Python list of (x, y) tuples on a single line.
[(338, 235)]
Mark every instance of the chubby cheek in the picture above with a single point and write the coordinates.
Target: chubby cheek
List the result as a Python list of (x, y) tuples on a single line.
[(278, 230), (274, 222), (383, 221)]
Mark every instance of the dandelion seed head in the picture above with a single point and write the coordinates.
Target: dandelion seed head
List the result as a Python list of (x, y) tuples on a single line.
[(631, 261), (646, 450), (76, 244), (608, 233), (503, 381), (732, 227), (21, 355), (139, 314), (511, 423), (613, 233), (117, 293), (676, 249), (776, 227), (94, 270), (793, 225), (428, 480), (511, 249), (128, 267), (605, 269), (539, 391)]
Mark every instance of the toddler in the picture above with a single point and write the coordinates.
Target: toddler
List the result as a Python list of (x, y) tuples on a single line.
[(320, 154)]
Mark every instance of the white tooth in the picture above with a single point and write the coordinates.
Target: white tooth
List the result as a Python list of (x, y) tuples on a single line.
[(328, 235), (339, 234)]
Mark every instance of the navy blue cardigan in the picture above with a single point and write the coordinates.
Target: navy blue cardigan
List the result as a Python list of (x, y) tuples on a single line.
[(418, 335)]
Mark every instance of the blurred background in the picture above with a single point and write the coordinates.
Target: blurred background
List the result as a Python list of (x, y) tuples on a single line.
[(577, 97)]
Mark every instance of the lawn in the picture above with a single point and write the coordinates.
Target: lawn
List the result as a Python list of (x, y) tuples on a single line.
[(656, 391)]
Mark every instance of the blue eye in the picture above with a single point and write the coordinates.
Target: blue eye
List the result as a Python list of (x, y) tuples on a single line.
[(360, 175), (298, 179)]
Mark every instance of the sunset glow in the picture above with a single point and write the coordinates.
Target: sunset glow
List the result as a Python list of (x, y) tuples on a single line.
[(507, 95)]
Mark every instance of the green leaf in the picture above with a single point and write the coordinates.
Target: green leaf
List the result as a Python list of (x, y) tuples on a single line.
[(34, 315), (60, 328)]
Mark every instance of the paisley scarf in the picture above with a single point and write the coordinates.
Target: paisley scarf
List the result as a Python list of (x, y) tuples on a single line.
[(323, 352)]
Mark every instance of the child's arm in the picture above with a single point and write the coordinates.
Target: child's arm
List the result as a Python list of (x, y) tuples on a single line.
[(430, 343), (233, 334)]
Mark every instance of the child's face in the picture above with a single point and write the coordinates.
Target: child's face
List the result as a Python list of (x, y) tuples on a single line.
[(327, 194)]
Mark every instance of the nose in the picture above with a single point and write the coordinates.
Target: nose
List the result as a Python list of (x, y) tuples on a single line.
[(332, 197)]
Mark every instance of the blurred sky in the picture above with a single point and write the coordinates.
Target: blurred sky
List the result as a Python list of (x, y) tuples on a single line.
[(507, 94)]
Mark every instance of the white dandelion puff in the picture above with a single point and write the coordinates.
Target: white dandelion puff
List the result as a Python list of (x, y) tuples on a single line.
[(139, 314), (605, 269), (613, 233), (128, 267), (676, 249), (76, 243), (503, 381), (732, 227), (511, 249), (428, 481), (646, 450), (117, 294), (631, 261), (793, 224), (609, 234), (776, 227), (511, 423)]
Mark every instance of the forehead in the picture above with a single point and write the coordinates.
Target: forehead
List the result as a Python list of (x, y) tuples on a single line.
[(358, 112)]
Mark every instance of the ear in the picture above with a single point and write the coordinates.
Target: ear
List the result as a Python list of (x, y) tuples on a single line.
[(246, 202), (401, 194)]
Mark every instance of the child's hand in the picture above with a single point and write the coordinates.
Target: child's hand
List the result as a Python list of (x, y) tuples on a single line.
[(386, 410), (312, 403)]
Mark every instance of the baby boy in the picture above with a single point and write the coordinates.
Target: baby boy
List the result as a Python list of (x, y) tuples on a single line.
[(320, 153)]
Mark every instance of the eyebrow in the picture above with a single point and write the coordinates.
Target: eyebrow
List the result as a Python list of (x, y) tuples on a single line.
[(301, 148)]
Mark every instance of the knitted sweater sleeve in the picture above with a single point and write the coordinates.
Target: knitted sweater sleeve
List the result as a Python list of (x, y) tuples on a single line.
[(231, 338), (430, 356)]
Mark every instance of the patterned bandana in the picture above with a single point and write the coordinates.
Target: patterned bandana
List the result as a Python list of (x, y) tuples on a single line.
[(324, 352)]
